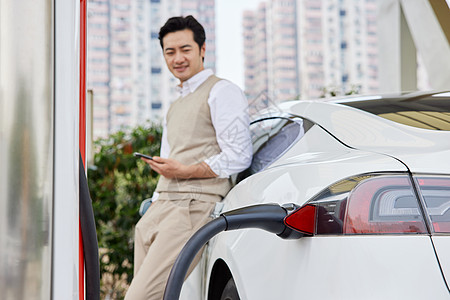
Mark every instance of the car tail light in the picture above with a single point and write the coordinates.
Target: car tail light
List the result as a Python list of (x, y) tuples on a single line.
[(436, 194), (367, 204)]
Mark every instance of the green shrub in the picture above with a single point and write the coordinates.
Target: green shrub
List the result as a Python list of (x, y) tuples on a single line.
[(118, 182)]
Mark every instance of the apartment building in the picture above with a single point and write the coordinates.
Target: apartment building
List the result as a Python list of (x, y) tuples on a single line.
[(255, 52), (98, 56), (163, 84), (312, 48), (126, 71)]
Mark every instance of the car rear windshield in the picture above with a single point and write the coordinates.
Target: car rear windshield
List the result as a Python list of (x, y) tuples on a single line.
[(429, 112)]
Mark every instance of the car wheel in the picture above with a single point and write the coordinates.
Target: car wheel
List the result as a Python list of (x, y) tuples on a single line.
[(230, 292)]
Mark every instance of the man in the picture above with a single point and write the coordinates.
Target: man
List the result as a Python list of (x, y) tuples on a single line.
[(205, 140)]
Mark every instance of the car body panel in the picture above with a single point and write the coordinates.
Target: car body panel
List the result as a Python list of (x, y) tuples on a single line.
[(344, 142), (442, 246), (266, 267), (421, 150), (316, 161)]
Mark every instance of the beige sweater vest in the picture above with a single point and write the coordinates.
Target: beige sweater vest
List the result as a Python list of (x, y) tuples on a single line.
[(192, 139)]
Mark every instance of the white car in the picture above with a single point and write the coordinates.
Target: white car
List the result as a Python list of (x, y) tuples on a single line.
[(371, 176)]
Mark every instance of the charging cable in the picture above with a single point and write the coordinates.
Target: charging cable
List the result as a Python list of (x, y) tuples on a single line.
[(268, 217)]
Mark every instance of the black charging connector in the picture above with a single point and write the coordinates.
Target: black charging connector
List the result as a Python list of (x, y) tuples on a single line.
[(268, 217)]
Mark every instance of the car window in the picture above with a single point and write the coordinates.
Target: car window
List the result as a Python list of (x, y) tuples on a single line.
[(271, 138)]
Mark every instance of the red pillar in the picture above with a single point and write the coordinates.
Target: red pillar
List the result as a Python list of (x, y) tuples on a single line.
[(82, 128)]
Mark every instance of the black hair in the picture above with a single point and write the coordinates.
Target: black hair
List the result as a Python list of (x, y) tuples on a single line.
[(181, 23)]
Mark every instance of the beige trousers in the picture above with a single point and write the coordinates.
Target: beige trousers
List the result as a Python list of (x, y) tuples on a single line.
[(159, 237)]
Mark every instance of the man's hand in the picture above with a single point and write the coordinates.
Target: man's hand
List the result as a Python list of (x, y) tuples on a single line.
[(171, 168)]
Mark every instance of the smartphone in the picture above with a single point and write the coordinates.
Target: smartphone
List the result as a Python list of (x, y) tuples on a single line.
[(137, 154)]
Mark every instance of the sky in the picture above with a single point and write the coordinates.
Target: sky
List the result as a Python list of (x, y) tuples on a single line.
[(229, 40)]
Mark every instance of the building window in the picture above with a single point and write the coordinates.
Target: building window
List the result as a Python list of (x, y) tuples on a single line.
[(156, 105), (156, 70)]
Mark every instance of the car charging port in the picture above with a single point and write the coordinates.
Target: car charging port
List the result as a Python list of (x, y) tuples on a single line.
[(268, 217)]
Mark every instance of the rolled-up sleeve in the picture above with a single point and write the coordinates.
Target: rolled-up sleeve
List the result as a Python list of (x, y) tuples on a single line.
[(229, 115)]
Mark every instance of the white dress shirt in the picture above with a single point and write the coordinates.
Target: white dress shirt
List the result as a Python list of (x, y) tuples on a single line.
[(229, 115)]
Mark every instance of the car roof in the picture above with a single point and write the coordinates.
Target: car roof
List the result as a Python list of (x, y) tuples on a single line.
[(422, 110), (362, 130), (395, 96)]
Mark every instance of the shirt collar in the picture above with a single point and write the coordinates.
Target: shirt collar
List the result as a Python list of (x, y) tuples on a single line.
[(190, 85)]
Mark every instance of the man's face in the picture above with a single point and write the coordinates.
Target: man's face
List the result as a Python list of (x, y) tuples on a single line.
[(182, 54)]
